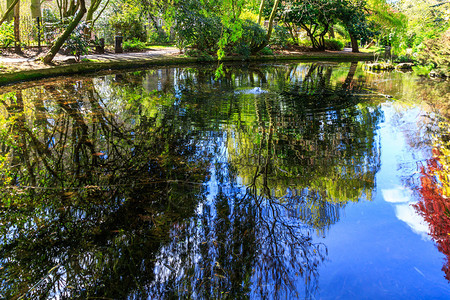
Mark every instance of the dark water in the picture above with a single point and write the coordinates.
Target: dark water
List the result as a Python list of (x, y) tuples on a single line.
[(276, 181)]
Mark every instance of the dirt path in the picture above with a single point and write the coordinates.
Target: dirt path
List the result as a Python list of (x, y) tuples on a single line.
[(31, 61)]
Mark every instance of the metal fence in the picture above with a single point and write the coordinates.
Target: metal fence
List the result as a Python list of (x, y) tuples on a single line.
[(38, 32), (35, 32), (32, 31)]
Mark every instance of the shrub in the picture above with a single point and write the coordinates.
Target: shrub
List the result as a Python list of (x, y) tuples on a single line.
[(266, 51), (77, 44), (134, 45), (280, 36), (422, 70), (158, 37), (6, 34), (437, 51), (334, 45), (197, 28), (305, 43), (253, 35), (201, 55), (127, 22), (404, 59)]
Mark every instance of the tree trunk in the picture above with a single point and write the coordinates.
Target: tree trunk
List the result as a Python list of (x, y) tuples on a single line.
[(271, 18), (8, 16), (269, 29), (292, 31), (72, 8), (355, 47), (35, 7), (322, 38), (261, 7), (60, 41), (90, 16), (331, 33), (350, 75), (17, 29), (370, 44)]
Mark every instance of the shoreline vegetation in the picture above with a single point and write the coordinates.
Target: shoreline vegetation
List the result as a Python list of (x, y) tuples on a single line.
[(13, 72), (408, 35)]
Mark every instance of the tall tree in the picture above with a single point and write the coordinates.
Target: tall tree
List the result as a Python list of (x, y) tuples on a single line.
[(90, 20), (272, 16), (60, 41), (313, 16), (17, 48), (9, 11), (352, 14), (35, 7)]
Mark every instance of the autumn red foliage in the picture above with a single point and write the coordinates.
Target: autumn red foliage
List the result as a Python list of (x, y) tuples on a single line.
[(435, 205)]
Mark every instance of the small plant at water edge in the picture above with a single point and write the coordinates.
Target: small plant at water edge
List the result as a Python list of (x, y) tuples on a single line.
[(422, 70), (266, 51)]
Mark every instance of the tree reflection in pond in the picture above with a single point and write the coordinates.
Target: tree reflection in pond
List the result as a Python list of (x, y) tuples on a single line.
[(89, 193), (167, 183)]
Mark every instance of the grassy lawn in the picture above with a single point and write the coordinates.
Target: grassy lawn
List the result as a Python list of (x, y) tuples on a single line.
[(160, 46), (372, 49)]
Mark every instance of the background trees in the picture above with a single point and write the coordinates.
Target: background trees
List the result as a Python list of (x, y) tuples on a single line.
[(317, 18), (414, 29), (426, 33)]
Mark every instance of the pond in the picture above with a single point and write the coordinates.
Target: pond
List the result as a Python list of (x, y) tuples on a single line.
[(298, 180)]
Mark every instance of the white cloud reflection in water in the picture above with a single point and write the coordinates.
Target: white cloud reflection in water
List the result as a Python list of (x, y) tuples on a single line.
[(402, 199)]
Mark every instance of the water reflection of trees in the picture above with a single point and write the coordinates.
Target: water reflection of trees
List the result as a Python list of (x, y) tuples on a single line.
[(434, 205), (101, 181), (432, 185), (90, 190), (244, 246), (313, 147), (302, 152)]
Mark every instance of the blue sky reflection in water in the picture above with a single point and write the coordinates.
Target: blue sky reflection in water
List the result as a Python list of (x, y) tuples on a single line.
[(277, 181)]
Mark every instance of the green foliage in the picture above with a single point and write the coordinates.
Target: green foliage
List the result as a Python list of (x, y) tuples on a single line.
[(386, 24), (437, 52), (211, 27), (266, 51), (352, 15), (340, 30), (128, 22), (316, 17), (251, 37), (196, 26), (158, 37), (200, 54), (305, 43), (422, 70), (78, 43), (55, 25), (404, 59), (134, 45), (50, 16), (334, 45), (6, 34), (280, 36), (423, 21)]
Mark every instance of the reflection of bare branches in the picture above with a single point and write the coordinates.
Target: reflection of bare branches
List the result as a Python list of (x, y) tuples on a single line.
[(286, 247), (132, 217), (286, 252)]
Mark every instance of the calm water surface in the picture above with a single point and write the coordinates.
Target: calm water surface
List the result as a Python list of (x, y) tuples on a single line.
[(278, 181)]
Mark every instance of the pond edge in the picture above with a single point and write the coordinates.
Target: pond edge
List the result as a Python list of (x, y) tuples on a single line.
[(165, 60)]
